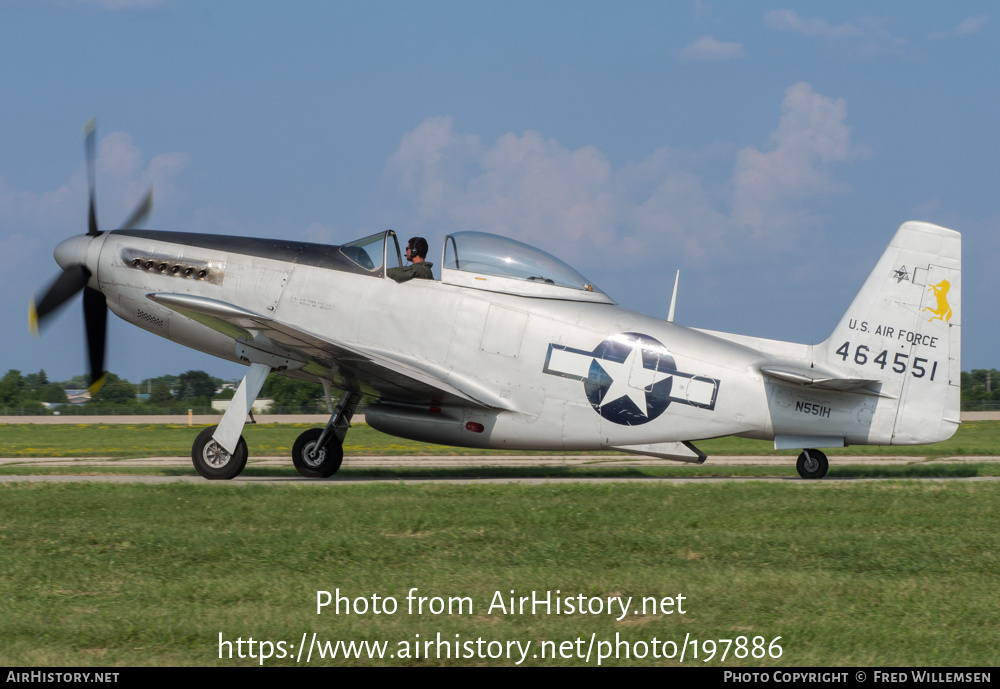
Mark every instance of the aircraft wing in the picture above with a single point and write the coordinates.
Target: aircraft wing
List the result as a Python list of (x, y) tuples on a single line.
[(383, 374), (809, 377)]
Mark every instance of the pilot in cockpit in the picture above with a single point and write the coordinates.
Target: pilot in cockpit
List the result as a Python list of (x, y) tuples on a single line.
[(416, 254)]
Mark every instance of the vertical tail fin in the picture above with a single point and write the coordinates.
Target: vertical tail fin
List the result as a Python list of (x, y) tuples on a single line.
[(904, 330)]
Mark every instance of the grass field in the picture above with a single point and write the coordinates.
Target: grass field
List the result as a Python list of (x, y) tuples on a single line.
[(165, 440), (886, 574), (890, 573)]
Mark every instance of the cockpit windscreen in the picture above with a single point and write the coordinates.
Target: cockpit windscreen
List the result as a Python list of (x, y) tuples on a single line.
[(488, 254)]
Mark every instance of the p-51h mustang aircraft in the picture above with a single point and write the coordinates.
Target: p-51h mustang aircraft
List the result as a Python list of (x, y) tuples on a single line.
[(511, 348)]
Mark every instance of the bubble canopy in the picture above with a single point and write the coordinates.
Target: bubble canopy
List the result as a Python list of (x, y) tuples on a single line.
[(494, 263)]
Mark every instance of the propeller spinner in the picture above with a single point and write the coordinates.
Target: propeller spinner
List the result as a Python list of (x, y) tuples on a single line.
[(72, 256)]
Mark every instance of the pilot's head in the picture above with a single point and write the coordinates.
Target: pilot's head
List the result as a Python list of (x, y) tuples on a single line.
[(417, 246)]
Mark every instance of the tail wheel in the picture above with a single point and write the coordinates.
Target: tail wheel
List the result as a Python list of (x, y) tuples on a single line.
[(317, 462), (212, 461), (812, 464)]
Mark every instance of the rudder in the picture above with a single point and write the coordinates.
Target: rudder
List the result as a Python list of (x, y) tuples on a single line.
[(904, 329)]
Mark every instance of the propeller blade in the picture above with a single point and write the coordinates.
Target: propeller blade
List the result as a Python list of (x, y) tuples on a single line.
[(95, 316), (89, 136), (76, 275), (64, 288), (141, 211)]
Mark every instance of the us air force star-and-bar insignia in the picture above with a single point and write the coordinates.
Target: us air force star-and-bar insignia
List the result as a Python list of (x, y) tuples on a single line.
[(631, 378)]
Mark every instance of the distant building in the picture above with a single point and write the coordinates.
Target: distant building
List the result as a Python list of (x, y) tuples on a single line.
[(261, 406)]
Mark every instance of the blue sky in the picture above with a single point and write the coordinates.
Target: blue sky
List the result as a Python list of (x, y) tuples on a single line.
[(767, 151)]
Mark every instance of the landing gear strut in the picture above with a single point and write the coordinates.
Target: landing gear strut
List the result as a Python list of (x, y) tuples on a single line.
[(318, 453), (219, 452), (812, 464)]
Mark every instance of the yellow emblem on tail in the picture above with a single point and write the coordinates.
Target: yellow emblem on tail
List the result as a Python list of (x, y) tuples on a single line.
[(943, 310)]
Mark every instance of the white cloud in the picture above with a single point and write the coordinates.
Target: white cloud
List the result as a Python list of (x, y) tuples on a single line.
[(866, 39), (429, 157), (966, 27), (708, 49), (767, 186), (121, 182), (521, 186), (574, 202), (529, 180)]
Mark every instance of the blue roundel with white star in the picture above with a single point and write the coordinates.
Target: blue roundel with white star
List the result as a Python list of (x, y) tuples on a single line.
[(630, 379)]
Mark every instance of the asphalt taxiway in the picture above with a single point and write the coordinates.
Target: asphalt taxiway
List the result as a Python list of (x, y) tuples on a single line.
[(472, 464)]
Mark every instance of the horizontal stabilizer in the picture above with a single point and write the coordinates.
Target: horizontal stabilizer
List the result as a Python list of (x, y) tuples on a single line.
[(815, 379)]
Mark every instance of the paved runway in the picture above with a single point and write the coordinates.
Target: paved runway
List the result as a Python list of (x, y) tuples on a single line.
[(497, 461), (298, 481), (473, 464)]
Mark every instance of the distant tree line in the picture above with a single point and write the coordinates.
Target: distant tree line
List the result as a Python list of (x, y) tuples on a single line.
[(981, 389), (33, 393), (33, 389)]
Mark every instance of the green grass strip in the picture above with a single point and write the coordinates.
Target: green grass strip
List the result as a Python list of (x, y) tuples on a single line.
[(891, 573), (167, 440)]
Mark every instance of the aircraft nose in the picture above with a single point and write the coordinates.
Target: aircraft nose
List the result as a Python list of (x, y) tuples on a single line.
[(73, 251)]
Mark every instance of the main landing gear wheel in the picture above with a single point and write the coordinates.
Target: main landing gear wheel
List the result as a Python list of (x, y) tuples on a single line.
[(812, 464), (317, 462), (211, 459)]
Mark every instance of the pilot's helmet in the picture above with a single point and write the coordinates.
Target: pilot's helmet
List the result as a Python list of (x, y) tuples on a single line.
[(418, 247)]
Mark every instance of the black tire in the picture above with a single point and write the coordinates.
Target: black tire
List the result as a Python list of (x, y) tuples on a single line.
[(327, 460), (812, 464), (212, 461)]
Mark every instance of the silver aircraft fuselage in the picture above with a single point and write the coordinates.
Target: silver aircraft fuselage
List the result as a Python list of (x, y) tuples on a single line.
[(465, 361)]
